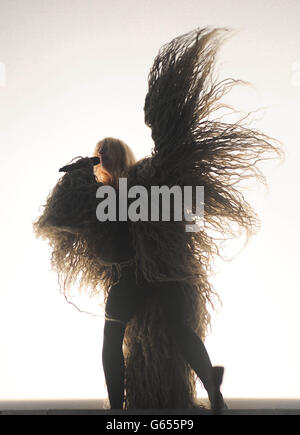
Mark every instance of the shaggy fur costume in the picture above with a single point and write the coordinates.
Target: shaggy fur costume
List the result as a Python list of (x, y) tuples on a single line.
[(190, 149)]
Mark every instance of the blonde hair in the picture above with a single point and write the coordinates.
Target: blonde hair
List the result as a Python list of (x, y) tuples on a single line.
[(118, 157)]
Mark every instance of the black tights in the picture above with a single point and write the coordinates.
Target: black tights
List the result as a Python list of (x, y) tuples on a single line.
[(123, 301)]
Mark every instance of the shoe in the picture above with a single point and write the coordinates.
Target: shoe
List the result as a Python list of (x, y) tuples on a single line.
[(215, 397)]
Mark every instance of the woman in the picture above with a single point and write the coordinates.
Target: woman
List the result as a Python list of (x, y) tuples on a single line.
[(127, 296), (155, 275)]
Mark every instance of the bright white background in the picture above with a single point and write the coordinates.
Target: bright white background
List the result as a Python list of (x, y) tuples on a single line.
[(75, 71)]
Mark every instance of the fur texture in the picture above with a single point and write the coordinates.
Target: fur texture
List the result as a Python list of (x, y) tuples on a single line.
[(190, 149)]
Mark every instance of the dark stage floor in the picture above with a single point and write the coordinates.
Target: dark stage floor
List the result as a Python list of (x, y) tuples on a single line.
[(99, 407)]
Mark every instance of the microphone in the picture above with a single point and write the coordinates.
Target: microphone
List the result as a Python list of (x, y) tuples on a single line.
[(80, 164)]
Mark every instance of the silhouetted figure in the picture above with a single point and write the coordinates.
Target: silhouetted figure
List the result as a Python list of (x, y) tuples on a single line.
[(155, 274)]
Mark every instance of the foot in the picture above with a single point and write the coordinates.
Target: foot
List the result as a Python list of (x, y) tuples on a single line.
[(215, 395), (217, 402)]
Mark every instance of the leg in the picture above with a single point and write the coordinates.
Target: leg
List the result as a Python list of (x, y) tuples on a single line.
[(195, 353), (189, 343), (123, 300), (113, 362)]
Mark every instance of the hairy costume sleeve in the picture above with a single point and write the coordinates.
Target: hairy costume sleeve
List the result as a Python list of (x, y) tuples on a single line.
[(82, 247), (71, 205), (192, 149)]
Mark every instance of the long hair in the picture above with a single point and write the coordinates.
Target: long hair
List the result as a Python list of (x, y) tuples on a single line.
[(116, 159)]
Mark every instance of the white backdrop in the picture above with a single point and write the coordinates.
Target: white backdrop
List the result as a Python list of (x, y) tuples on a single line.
[(75, 71)]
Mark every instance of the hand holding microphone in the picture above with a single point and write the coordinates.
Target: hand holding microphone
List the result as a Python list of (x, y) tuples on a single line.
[(84, 161)]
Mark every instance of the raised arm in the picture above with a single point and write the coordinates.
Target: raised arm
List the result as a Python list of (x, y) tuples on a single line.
[(71, 205), (83, 250)]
